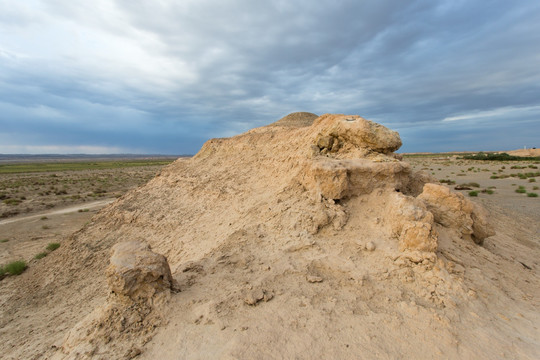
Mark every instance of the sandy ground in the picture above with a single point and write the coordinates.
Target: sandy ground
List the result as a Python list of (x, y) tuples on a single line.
[(29, 235)]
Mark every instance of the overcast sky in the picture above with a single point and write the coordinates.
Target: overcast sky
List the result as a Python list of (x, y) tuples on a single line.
[(163, 76)]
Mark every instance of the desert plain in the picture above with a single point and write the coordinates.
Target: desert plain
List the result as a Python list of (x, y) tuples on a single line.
[(309, 238)]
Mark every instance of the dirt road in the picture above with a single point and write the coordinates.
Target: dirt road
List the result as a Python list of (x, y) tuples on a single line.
[(91, 205)]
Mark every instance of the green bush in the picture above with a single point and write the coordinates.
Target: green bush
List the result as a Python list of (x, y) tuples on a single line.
[(12, 201), (535, 188), (4, 240), (15, 267), (532, 194), (52, 246), (521, 190), (41, 255), (488, 191), (473, 193)]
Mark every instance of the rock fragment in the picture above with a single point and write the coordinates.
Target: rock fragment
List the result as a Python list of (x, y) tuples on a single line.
[(136, 272)]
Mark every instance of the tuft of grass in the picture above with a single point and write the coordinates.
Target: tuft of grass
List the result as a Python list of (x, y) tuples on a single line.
[(488, 191), (532, 180), (15, 267), (4, 240), (473, 193), (45, 227), (531, 194), (83, 210), (521, 190), (43, 218), (41, 255), (535, 188), (53, 246), (447, 181)]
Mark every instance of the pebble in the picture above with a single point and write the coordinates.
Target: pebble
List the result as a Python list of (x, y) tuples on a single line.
[(370, 246)]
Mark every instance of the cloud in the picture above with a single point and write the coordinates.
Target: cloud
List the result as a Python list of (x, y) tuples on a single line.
[(140, 74), (496, 113)]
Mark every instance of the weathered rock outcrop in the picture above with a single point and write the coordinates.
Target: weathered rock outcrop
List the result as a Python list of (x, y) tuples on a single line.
[(299, 220), (140, 282), (136, 273), (454, 211)]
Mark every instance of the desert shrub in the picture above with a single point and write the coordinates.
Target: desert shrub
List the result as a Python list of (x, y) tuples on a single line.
[(532, 180), (493, 177), (535, 187), (41, 255), (533, 166), (447, 181), (45, 227), (531, 194), (12, 201), (53, 246), (472, 184), (44, 218), (4, 240), (497, 157), (473, 193), (2, 272), (15, 267), (488, 191), (521, 190)]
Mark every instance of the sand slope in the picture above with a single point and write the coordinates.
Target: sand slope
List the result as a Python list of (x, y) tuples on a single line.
[(284, 245)]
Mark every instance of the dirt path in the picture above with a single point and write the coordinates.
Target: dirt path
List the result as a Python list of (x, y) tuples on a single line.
[(21, 238), (67, 210)]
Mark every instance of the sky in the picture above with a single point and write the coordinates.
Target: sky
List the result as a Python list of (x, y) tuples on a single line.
[(164, 76)]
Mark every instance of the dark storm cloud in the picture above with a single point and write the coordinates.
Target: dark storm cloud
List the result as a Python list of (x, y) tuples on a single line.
[(146, 76)]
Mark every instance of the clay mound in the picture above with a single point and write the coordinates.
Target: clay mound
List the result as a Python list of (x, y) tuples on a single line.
[(296, 119), (525, 152), (282, 242)]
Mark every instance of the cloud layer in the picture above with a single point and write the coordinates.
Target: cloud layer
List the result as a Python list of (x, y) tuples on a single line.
[(164, 76)]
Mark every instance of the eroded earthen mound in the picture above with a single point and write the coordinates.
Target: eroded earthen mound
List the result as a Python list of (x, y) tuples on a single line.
[(293, 242), (296, 119)]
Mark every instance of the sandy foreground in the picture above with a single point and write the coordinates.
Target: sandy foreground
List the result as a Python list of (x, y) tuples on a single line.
[(265, 268)]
